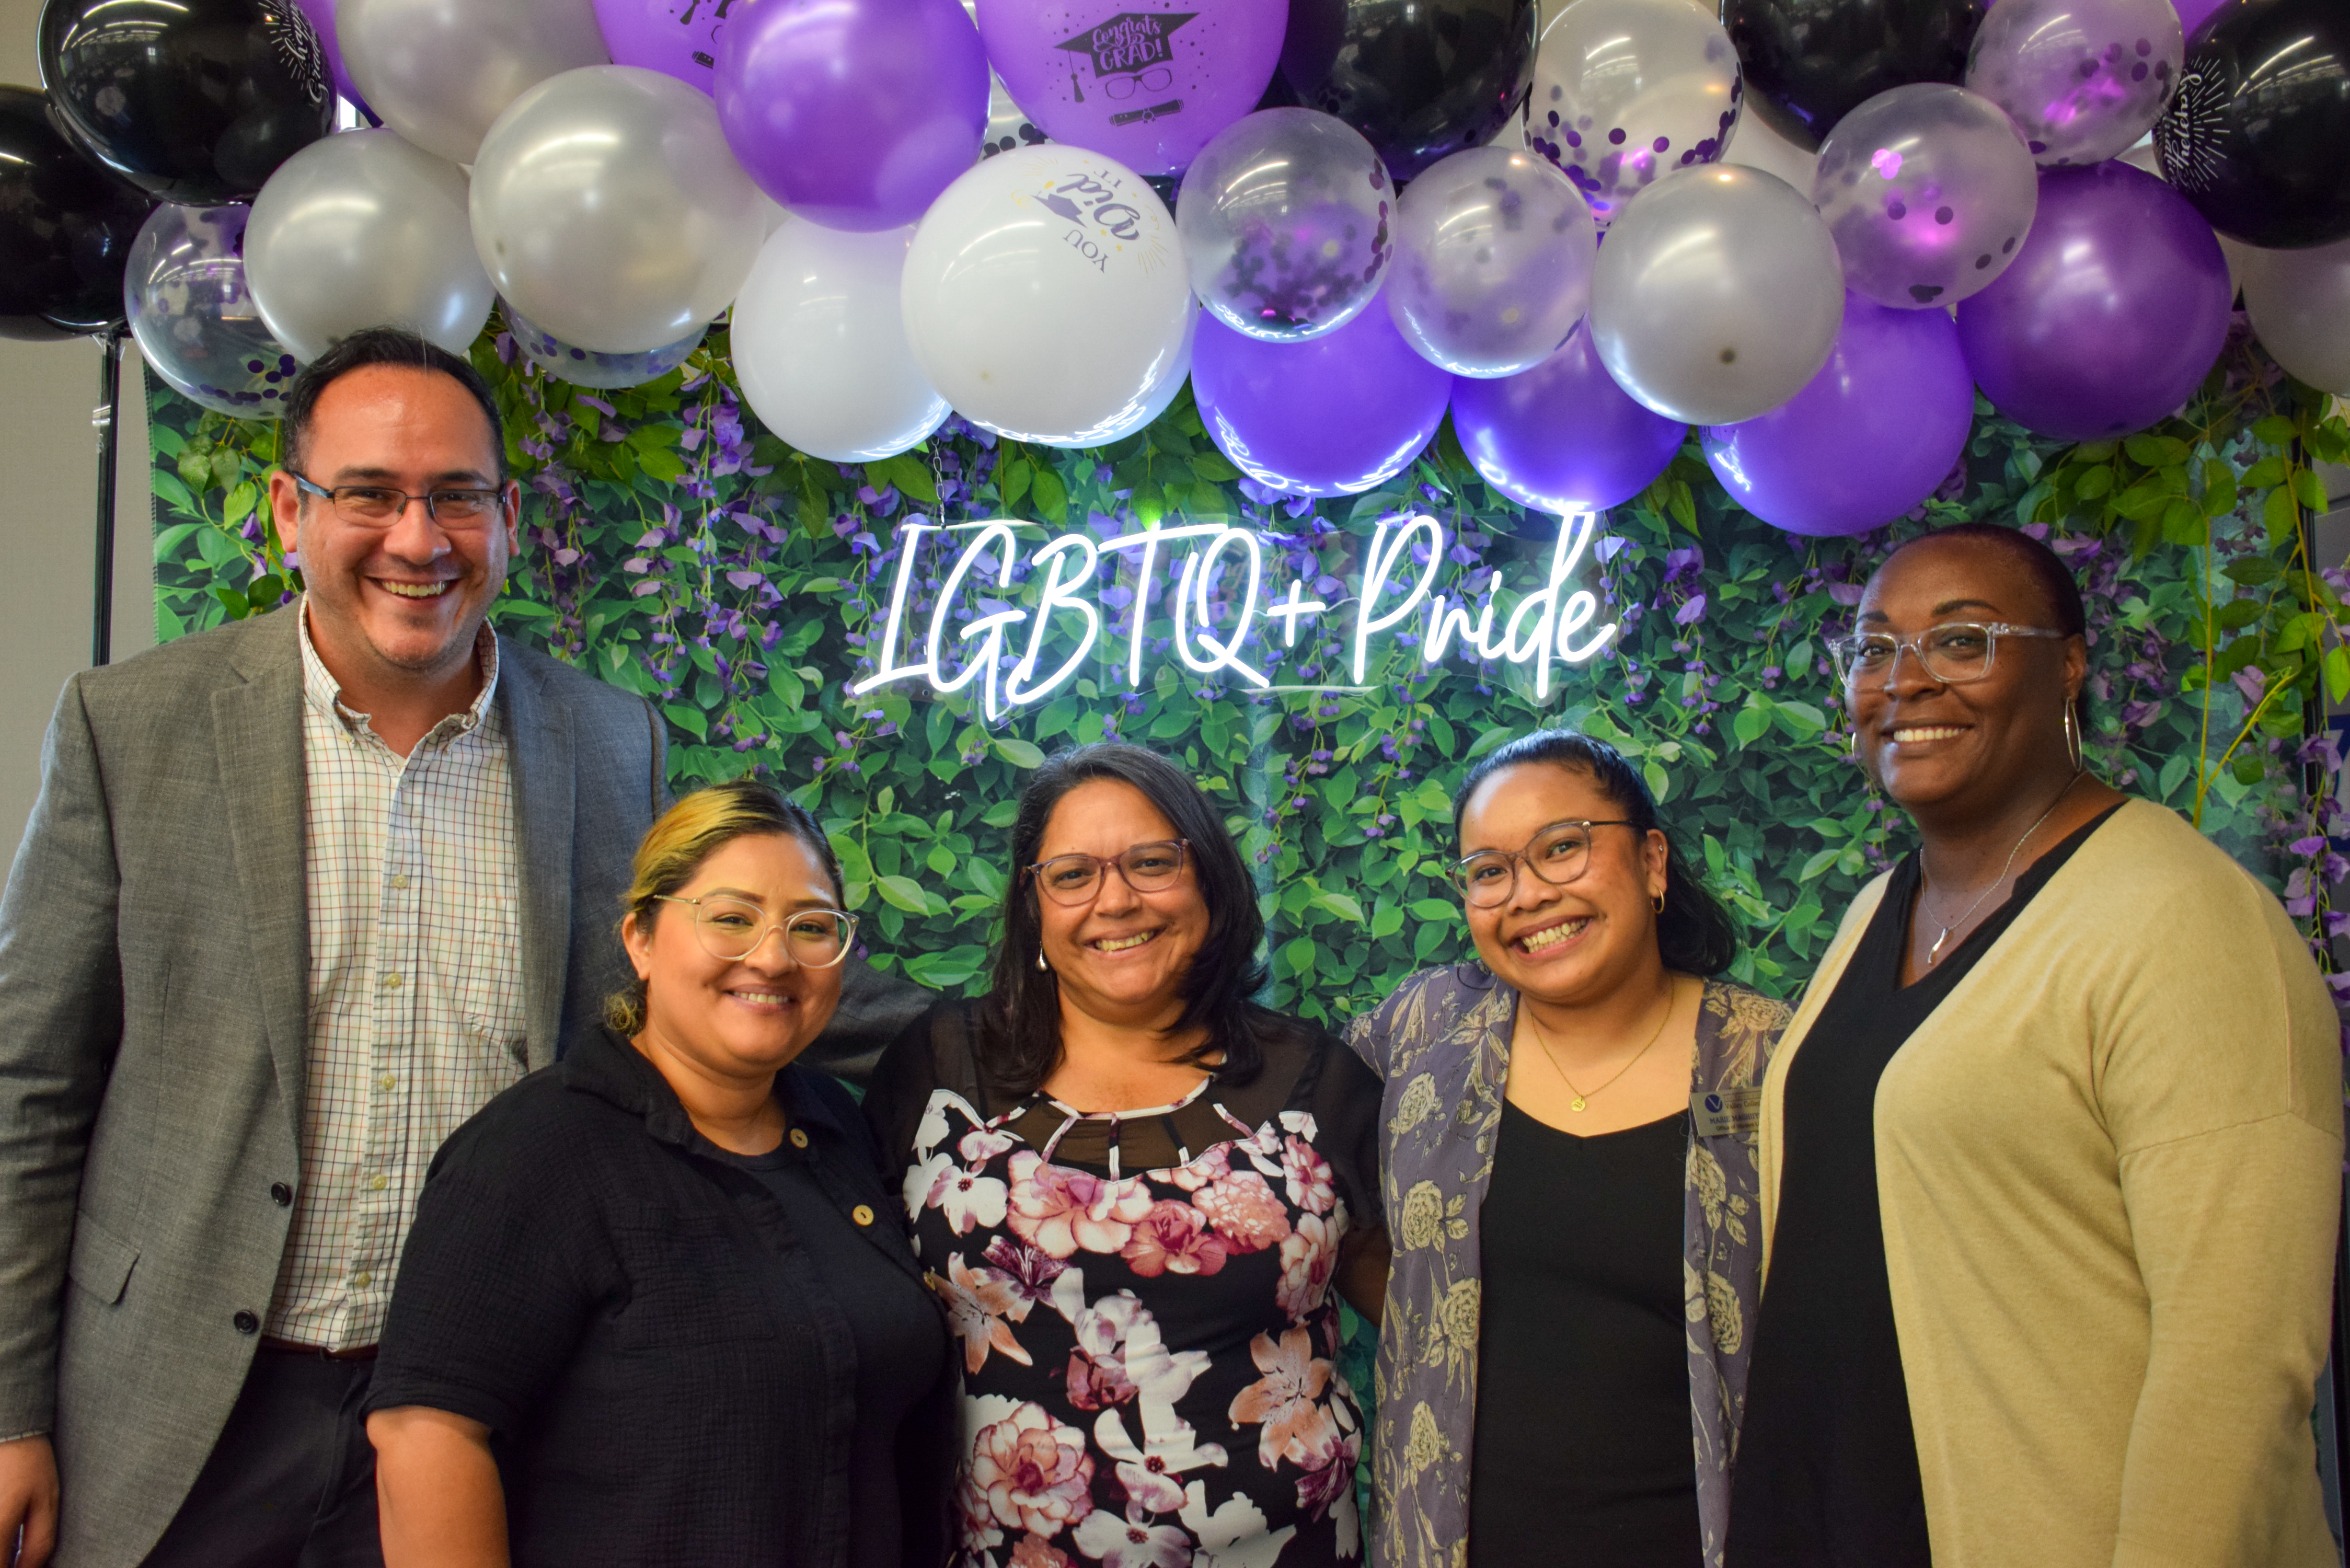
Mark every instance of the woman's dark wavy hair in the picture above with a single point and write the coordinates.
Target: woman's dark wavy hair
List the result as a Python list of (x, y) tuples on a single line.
[(1023, 1005), (1694, 935)]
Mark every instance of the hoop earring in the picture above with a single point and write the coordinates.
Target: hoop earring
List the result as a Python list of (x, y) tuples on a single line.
[(1852, 743), (2072, 737), (1042, 967), (1657, 902)]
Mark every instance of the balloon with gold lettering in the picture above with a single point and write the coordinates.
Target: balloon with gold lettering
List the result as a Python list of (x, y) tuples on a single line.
[(1146, 81), (1044, 295)]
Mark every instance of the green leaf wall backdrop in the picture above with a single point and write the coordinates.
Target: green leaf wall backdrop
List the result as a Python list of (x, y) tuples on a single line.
[(673, 549)]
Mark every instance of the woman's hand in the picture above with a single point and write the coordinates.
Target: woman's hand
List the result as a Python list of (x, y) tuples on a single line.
[(437, 1488)]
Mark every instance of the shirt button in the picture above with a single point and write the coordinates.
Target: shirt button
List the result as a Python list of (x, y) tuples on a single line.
[(388, 1081), (799, 1138), (247, 1322), (399, 880), (376, 1182), (362, 1279), (862, 1214), (391, 983), (280, 1194)]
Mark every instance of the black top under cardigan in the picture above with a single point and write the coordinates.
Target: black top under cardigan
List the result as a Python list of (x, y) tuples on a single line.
[(667, 1364)]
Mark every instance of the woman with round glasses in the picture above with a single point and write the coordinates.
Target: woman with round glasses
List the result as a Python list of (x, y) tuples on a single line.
[(1571, 1177), (1136, 1191), (2051, 1151), (654, 1308)]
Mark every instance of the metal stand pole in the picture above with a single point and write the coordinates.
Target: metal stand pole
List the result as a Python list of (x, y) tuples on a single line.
[(110, 392)]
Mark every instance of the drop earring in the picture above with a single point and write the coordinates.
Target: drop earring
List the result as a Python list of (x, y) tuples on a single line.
[(1042, 967)]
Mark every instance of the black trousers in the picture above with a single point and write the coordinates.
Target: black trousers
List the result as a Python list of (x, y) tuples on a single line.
[(291, 1483)]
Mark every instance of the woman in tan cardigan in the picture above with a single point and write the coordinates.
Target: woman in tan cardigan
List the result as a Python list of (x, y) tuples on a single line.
[(2051, 1151)]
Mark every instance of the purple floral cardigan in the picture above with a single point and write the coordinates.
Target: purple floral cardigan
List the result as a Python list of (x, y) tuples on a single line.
[(1441, 1042)]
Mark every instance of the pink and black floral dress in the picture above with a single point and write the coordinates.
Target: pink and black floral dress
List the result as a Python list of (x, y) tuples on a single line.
[(1143, 1302)]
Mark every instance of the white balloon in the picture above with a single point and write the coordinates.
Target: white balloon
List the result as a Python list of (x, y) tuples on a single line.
[(361, 229), (1045, 294), (1756, 146), (2299, 305), (607, 206), (1162, 397), (1717, 297), (441, 71), (819, 345)]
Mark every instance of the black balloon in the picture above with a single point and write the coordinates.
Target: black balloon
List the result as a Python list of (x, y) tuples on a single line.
[(1420, 79), (66, 227), (2258, 134), (1809, 63), (195, 101)]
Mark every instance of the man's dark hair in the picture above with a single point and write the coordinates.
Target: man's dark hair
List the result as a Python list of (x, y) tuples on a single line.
[(1023, 1037), (382, 346), (1694, 935)]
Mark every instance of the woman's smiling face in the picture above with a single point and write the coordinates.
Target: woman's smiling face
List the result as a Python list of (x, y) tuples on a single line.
[(1575, 943), (1122, 956)]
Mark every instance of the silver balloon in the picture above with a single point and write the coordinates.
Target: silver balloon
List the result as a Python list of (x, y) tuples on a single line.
[(1284, 217), (2299, 305), (2081, 78), (1628, 90), (1494, 253), (587, 367), (1929, 193), (440, 72), (184, 292), (363, 230), (1717, 296), (607, 206)]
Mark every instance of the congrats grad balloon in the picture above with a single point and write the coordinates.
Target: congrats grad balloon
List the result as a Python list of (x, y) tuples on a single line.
[(190, 100), (1146, 81)]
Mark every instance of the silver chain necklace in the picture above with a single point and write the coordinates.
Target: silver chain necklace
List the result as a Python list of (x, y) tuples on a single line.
[(1936, 950)]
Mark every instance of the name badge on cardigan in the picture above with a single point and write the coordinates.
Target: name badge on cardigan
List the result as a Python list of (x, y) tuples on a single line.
[(1727, 1113)]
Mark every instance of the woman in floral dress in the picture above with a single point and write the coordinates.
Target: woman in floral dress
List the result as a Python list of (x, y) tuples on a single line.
[(1137, 1193)]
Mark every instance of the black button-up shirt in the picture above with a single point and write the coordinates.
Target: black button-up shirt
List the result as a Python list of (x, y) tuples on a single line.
[(668, 1367)]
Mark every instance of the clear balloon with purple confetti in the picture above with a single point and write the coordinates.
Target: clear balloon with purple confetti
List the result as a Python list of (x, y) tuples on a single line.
[(1627, 91), (185, 292), (2083, 79), (1284, 219), (1929, 191), (1492, 263)]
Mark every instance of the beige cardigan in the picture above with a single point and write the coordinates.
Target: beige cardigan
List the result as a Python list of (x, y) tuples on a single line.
[(2109, 1167)]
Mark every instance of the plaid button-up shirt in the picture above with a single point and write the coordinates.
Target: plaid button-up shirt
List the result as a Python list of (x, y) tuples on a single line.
[(415, 985)]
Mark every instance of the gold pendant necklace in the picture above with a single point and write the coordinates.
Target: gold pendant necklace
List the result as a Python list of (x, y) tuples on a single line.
[(1579, 1100), (1936, 950)]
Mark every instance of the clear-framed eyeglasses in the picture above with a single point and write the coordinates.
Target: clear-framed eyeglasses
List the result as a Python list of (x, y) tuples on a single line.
[(1074, 879), (733, 928), (1558, 854), (1953, 653), (456, 509)]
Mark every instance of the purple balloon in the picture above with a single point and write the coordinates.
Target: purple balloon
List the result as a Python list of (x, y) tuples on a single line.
[(1147, 87), (1562, 436), (1872, 435), (677, 37), (322, 20), (1329, 416), (2192, 12), (2111, 314), (853, 113)]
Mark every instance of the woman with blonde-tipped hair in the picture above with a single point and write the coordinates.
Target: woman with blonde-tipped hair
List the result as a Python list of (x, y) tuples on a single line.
[(653, 1309)]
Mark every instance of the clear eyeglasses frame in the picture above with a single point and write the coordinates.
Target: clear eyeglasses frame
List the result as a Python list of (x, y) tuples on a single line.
[(1953, 653), (1074, 879), (733, 928), (1558, 854), (380, 506)]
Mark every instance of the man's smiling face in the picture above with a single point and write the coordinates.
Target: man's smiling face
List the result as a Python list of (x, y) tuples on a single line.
[(402, 600)]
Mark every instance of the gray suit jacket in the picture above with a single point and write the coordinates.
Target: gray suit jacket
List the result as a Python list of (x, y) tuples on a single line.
[(154, 1031)]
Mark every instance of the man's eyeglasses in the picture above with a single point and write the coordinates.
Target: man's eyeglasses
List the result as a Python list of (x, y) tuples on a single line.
[(1558, 854), (733, 928), (1953, 654), (379, 507), (1077, 878)]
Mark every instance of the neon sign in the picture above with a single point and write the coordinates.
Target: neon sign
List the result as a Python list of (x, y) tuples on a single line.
[(1542, 627)]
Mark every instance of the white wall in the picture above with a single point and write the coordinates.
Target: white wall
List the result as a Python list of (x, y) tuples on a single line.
[(48, 501)]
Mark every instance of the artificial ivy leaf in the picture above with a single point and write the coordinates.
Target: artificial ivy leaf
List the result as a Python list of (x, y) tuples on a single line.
[(688, 719), (2337, 673), (1020, 754), (903, 892), (1052, 495)]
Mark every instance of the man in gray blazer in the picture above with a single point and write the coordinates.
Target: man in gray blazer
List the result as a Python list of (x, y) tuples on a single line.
[(299, 896)]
